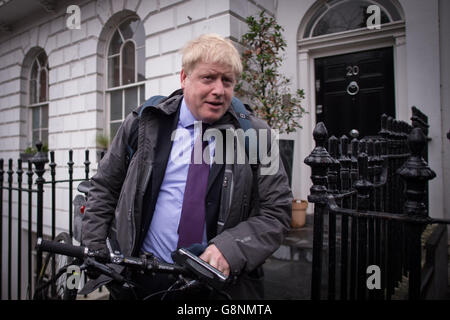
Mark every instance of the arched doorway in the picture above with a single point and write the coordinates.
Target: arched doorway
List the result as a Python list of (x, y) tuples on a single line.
[(354, 71)]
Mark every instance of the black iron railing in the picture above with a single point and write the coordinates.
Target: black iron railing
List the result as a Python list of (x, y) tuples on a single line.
[(35, 185), (370, 209)]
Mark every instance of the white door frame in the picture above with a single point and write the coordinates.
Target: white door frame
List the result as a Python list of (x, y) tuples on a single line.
[(389, 35)]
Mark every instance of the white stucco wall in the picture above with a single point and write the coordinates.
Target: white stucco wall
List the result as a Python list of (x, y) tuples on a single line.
[(289, 16), (424, 79), (444, 38)]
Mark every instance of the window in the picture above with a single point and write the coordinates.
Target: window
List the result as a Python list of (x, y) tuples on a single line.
[(342, 15), (39, 99), (126, 67)]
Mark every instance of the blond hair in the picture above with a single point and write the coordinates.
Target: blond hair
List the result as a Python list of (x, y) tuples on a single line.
[(211, 48)]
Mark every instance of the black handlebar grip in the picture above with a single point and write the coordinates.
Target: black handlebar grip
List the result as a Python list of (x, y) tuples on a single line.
[(162, 267), (61, 248)]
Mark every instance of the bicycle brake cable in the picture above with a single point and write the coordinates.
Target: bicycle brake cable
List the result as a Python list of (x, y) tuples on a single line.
[(171, 288), (166, 291)]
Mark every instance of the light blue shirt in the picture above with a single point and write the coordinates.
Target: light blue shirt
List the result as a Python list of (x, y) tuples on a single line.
[(162, 235)]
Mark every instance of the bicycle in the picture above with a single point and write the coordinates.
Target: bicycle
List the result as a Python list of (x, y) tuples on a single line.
[(54, 262), (55, 290), (192, 272)]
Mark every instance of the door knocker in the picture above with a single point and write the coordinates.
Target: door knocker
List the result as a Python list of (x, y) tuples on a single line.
[(353, 88)]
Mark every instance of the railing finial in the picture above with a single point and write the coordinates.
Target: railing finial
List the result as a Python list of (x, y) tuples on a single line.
[(416, 172), (319, 160)]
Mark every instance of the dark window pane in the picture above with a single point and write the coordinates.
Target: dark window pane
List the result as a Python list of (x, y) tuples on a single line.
[(33, 98), (34, 71), (42, 58), (316, 15), (35, 118), (116, 105), (33, 83), (140, 64), (113, 72), (126, 29), (113, 129), (43, 86), (44, 137), (139, 34), (35, 137), (44, 117), (128, 63), (142, 94), (116, 42), (345, 16), (391, 8), (131, 95)]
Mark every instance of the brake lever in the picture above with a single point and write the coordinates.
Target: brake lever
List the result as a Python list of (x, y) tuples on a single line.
[(189, 284), (104, 269)]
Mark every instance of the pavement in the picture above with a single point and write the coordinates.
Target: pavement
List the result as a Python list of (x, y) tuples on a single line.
[(288, 271)]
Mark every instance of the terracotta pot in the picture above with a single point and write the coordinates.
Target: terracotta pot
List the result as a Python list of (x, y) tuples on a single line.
[(299, 213)]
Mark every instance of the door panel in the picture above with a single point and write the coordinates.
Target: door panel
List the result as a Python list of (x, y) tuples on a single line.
[(354, 90)]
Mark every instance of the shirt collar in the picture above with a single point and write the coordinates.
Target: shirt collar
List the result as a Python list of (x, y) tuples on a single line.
[(186, 117)]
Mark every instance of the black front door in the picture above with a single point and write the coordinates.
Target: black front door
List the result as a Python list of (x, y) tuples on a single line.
[(354, 90)]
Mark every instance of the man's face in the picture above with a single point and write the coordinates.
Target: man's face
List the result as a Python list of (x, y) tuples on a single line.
[(208, 90)]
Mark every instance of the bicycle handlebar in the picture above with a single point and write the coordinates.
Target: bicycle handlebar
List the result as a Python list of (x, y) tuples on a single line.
[(62, 248), (188, 263), (80, 252)]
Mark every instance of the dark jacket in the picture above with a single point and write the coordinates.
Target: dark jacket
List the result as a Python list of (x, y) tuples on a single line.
[(244, 234)]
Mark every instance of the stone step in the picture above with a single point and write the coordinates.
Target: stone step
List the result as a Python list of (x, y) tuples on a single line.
[(298, 243)]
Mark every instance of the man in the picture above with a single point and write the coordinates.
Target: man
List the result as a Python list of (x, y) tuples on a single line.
[(145, 203)]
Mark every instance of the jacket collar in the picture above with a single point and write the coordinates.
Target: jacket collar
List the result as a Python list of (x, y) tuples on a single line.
[(167, 106)]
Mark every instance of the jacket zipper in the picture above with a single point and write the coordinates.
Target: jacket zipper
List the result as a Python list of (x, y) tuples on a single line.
[(225, 199), (132, 227), (244, 208)]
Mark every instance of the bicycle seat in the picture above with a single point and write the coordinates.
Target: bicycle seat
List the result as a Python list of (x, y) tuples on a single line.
[(84, 187)]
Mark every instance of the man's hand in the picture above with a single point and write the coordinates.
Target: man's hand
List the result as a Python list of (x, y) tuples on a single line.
[(214, 257), (101, 253)]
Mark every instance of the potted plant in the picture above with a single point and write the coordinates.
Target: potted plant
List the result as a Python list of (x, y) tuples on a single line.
[(102, 145), (268, 91), (262, 85), (299, 213), (29, 152)]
